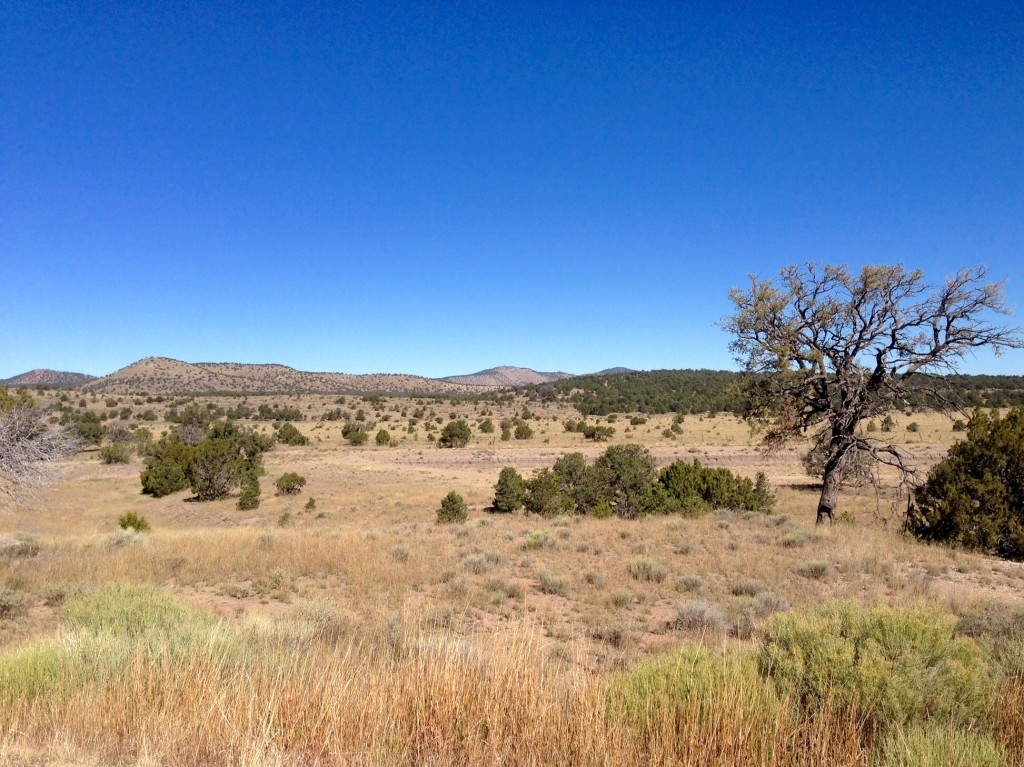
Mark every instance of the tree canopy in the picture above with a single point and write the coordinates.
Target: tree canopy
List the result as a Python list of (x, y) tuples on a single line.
[(824, 349)]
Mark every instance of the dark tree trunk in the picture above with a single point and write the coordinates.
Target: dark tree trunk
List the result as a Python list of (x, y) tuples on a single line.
[(829, 495)]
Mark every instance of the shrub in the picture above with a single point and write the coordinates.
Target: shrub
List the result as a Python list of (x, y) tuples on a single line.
[(646, 569), (816, 569), (549, 583), (598, 433), (250, 497), (167, 467), (288, 434), (506, 434), (523, 432), (975, 497), (545, 496), (383, 438), (354, 434), (538, 539), (290, 483), (895, 666), (510, 491), (698, 615), (453, 509), (697, 488), (11, 603), (133, 521), (217, 467), (455, 434), (486, 426), (116, 452), (310, 505), (626, 474)]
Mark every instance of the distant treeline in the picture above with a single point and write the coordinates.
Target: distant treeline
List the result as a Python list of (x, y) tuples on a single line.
[(712, 391)]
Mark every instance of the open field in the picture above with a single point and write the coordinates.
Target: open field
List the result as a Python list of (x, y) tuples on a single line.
[(361, 632)]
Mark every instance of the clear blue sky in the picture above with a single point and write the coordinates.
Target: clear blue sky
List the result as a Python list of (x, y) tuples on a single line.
[(438, 188)]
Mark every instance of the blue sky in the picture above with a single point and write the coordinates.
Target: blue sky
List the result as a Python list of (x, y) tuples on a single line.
[(439, 188)]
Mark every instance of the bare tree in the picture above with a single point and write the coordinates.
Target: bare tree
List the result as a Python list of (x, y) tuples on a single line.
[(28, 448), (824, 350)]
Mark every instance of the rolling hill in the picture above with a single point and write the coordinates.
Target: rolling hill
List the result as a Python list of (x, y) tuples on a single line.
[(57, 379), (162, 375), (506, 376)]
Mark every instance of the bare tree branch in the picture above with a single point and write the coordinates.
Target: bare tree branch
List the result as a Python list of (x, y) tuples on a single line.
[(28, 449), (825, 350)]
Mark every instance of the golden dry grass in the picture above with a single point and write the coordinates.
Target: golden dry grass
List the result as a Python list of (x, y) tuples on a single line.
[(462, 644)]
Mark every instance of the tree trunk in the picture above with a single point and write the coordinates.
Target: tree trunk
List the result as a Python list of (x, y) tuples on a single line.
[(829, 495)]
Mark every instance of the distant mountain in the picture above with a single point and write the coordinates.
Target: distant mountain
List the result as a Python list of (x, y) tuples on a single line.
[(162, 375), (58, 379), (614, 371), (506, 376)]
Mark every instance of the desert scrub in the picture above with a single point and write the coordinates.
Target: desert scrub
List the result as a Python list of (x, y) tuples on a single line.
[(549, 583), (481, 561), (815, 570), (133, 521), (11, 603), (897, 667), (698, 615), (538, 539), (646, 569)]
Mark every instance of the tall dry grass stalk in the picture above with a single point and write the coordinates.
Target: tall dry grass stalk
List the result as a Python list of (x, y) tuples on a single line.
[(289, 693)]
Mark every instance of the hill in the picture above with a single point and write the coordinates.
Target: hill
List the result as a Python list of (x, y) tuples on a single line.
[(57, 379), (506, 376), (161, 375)]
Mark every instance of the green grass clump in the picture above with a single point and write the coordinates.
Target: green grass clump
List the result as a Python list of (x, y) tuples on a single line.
[(940, 746), (133, 521)]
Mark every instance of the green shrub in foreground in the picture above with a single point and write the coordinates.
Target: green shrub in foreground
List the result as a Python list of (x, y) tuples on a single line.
[(896, 667)]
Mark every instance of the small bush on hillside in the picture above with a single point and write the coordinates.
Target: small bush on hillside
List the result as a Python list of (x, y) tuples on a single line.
[(486, 426), (290, 483), (453, 509), (116, 452), (455, 434), (523, 432), (133, 521), (383, 438), (288, 434), (354, 434)]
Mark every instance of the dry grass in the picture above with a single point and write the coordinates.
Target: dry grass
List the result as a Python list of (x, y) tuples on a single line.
[(369, 635)]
